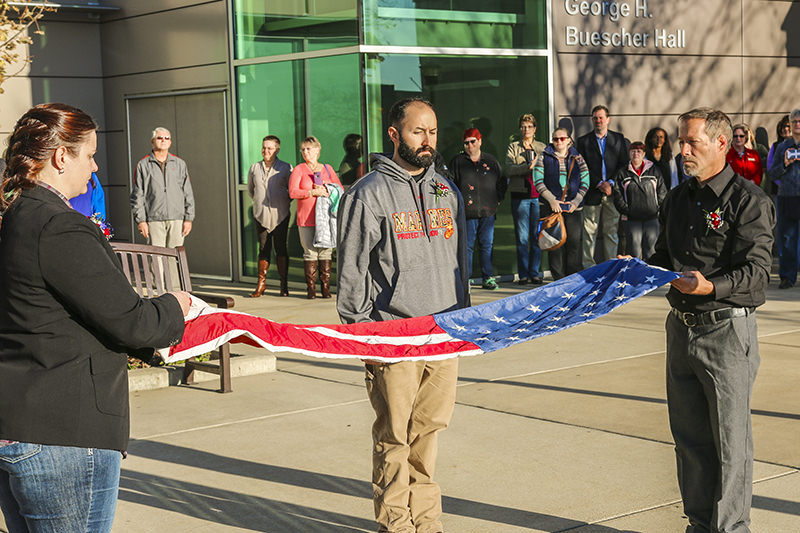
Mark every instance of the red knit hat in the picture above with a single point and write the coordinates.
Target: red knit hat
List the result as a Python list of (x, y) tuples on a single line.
[(471, 132)]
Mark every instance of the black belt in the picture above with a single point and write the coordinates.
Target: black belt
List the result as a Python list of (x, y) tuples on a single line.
[(710, 317)]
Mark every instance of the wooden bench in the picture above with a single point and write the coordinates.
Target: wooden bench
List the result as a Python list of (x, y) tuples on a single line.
[(149, 272)]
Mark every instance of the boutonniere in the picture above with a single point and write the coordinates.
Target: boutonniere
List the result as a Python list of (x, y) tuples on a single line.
[(440, 189), (105, 227), (713, 219)]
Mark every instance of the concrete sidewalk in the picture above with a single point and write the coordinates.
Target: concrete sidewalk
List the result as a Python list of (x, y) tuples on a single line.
[(565, 433)]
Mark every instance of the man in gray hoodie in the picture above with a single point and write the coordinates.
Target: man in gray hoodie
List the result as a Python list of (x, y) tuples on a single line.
[(402, 253)]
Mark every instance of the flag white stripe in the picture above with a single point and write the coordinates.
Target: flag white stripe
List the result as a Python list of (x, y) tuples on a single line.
[(415, 340)]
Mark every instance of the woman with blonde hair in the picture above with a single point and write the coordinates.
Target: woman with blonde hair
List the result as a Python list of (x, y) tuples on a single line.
[(307, 183)]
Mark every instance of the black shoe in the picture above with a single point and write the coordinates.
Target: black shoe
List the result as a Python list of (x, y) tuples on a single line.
[(785, 284), (536, 280), (522, 281)]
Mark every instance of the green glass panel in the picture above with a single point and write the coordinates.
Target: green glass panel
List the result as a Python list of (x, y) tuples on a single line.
[(287, 26), (456, 23), (489, 93), (293, 99)]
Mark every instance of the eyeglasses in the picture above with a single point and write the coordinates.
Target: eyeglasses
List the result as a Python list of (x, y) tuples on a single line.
[(470, 141), (162, 138), (560, 139), (739, 136)]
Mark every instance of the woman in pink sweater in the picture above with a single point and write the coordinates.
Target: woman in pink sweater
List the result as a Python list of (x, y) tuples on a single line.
[(306, 182)]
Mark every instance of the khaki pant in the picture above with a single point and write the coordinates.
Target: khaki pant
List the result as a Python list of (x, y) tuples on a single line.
[(413, 401), (310, 252), (168, 234), (605, 218)]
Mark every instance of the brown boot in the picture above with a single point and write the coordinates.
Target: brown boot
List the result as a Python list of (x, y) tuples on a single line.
[(311, 278), (325, 277), (283, 271), (263, 266)]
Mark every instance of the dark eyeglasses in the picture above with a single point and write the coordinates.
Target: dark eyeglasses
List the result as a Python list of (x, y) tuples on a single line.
[(470, 141), (560, 139), (162, 138), (739, 136)]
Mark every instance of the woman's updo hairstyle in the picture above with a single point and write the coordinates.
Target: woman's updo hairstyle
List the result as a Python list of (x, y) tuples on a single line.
[(36, 136)]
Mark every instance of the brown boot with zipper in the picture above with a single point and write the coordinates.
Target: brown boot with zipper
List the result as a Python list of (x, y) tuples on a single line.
[(282, 262), (311, 278), (325, 277), (263, 266)]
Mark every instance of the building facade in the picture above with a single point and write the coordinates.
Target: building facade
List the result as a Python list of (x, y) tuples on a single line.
[(222, 74)]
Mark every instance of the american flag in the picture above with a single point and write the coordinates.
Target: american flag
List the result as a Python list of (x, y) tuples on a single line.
[(570, 301)]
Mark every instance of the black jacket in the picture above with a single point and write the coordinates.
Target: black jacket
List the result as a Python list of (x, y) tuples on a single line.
[(482, 184), (640, 197), (67, 315), (616, 158)]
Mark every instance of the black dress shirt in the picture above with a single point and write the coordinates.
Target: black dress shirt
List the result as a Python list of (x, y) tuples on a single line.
[(734, 253)]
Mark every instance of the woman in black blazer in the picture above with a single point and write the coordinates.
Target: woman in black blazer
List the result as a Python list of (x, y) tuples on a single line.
[(67, 317)]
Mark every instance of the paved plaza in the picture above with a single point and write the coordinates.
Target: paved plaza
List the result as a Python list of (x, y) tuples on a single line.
[(565, 433)]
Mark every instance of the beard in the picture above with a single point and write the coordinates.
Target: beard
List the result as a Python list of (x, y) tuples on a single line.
[(690, 170), (413, 157)]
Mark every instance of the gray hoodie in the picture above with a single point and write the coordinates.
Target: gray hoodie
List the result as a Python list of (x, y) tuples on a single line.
[(402, 246)]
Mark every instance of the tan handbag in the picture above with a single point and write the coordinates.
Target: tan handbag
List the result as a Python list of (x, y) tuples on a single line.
[(552, 233)]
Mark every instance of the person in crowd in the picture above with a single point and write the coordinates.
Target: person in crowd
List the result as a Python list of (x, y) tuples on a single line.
[(268, 186), (716, 228), (606, 154), (558, 168), (520, 158), (785, 171), (306, 183), (658, 150), (402, 253), (783, 131), (744, 161), (753, 144), (68, 315), (162, 200), (480, 179), (639, 192), (351, 168), (93, 201)]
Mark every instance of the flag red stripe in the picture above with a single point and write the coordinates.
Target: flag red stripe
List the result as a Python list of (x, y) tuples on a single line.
[(205, 328)]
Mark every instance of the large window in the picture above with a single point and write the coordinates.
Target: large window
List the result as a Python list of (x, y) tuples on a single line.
[(456, 23), (288, 26), (293, 99), (489, 93)]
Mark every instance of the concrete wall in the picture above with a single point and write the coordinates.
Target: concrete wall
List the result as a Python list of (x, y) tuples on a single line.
[(148, 47), (737, 56)]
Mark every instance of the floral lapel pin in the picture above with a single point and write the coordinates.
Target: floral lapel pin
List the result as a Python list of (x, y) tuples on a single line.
[(713, 219), (105, 227), (440, 189)]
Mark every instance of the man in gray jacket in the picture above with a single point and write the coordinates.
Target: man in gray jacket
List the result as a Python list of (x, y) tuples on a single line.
[(402, 253), (161, 200)]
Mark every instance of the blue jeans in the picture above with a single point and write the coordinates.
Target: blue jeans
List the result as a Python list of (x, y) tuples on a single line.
[(788, 234), (55, 489), (526, 221), (483, 228)]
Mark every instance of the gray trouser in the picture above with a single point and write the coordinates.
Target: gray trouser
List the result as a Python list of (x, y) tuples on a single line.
[(600, 223), (710, 374), (642, 235)]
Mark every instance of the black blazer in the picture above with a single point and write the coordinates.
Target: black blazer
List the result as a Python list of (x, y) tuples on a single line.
[(67, 315), (616, 157)]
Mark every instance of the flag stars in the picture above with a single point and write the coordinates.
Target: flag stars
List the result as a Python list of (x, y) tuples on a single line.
[(620, 298), (600, 279), (556, 318), (520, 330), (650, 279), (551, 327), (623, 269), (594, 293), (588, 314), (623, 284), (499, 319), (591, 304), (563, 309), (459, 328), (568, 295), (534, 308)]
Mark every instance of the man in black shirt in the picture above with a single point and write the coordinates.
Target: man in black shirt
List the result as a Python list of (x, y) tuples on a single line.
[(717, 230)]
